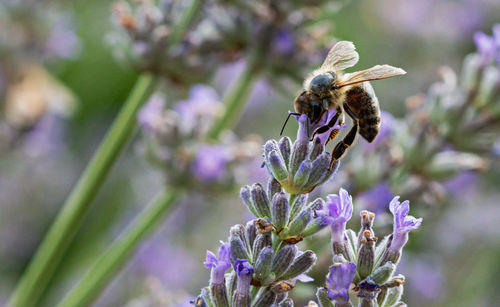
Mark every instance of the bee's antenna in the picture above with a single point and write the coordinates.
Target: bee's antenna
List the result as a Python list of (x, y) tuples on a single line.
[(286, 121)]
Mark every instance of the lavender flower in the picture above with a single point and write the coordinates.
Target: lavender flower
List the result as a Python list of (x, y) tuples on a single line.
[(210, 162), (403, 223), (487, 47), (244, 271), (218, 265), (339, 211), (338, 281)]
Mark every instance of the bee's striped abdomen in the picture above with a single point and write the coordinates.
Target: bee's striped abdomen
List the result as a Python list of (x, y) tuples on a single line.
[(362, 101)]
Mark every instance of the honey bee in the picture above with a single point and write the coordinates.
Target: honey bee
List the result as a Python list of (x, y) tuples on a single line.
[(328, 87)]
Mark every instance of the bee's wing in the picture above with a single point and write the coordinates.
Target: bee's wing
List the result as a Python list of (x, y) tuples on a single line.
[(342, 55), (375, 73)]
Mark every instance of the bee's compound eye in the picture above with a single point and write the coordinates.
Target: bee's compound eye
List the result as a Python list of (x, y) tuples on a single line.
[(321, 82)]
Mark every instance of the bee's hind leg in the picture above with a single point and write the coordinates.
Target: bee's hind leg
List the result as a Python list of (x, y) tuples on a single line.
[(331, 123), (341, 147)]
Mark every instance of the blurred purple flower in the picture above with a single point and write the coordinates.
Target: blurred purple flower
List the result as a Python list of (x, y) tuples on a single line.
[(283, 42), (425, 278), (63, 41), (45, 138), (339, 279), (203, 100), (387, 127), (377, 198), (339, 210), (150, 115), (403, 223), (218, 265), (486, 47), (210, 162), (171, 264), (462, 184)]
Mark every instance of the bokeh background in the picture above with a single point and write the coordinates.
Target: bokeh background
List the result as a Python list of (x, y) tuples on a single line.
[(453, 260)]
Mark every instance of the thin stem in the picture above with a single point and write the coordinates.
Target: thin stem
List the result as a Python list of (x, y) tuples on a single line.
[(66, 224), (104, 268), (185, 22), (235, 100)]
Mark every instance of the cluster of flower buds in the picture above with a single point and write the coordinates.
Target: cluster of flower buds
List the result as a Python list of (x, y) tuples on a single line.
[(176, 141), (363, 272), (278, 35), (303, 165), (262, 275)]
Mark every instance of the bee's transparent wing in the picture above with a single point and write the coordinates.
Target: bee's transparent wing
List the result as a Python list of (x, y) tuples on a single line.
[(375, 73), (342, 55)]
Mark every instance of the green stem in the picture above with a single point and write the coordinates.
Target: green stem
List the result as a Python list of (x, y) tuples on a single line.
[(235, 100), (185, 22), (104, 268), (63, 229)]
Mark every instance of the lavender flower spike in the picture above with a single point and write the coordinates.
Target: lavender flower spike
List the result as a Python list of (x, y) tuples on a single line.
[(403, 223), (220, 265), (338, 281), (244, 270), (339, 210)]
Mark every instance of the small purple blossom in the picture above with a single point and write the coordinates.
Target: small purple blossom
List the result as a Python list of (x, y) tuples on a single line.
[(488, 47), (210, 162), (150, 115), (218, 265), (339, 210), (403, 223), (203, 100), (244, 270), (283, 42), (339, 279)]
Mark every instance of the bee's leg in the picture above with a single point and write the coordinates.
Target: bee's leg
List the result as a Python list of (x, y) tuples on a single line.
[(332, 136), (341, 147), (328, 125)]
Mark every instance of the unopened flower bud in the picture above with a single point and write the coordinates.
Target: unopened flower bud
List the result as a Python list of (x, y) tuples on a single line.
[(299, 154), (244, 270), (315, 225), (323, 299), (302, 175), (265, 298), (316, 148), (263, 264), (285, 145), (299, 223), (219, 295), (366, 254), (239, 231), (277, 166), (280, 211), (260, 200), (300, 265), (251, 232), (383, 273), (368, 289), (297, 204), (230, 283), (262, 240), (393, 295), (273, 187), (246, 196), (238, 249), (283, 259)]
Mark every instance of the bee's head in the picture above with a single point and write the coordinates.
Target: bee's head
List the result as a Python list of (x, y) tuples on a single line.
[(323, 83)]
